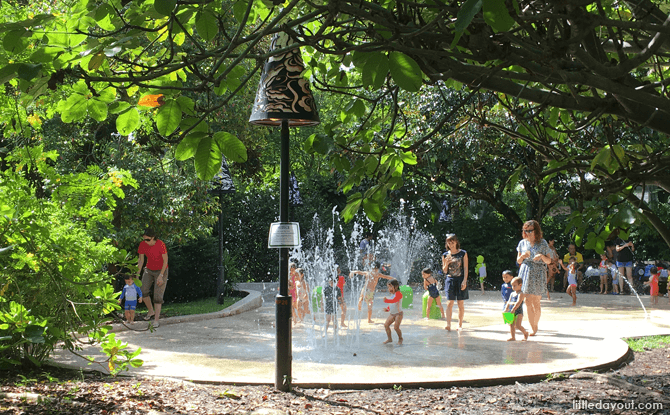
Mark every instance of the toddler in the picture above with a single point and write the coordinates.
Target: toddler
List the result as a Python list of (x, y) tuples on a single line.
[(506, 288), (130, 293), (430, 284), (653, 285), (330, 297), (515, 305)]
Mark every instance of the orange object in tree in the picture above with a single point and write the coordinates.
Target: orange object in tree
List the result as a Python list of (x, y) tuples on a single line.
[(152, 101)]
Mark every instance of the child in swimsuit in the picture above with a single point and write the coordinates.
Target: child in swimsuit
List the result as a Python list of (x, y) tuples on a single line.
[(430, 284), (394, 309), (368, 291), (653, 285), (330, 295), (572, 279), (515, 305)]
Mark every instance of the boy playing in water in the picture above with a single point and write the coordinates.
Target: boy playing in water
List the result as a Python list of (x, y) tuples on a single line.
[(506, 288), (515, 306), (368, 291), (394, 309)]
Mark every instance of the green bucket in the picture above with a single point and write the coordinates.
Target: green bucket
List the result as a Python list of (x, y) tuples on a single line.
[(317, 295), (509, 318)]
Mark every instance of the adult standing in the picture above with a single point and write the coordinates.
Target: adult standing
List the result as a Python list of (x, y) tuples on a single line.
[(455, 267), (155, 273), (533, 254), (624, 260), (365, 250)]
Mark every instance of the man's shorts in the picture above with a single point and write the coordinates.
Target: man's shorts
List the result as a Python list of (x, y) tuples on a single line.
[(130, 305), (149, 280), (628, 264)]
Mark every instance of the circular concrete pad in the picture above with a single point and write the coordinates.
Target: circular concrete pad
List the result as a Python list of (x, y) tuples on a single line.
[(240, 348)]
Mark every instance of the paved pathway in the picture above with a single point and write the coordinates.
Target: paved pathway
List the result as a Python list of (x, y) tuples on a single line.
[(240, 348)]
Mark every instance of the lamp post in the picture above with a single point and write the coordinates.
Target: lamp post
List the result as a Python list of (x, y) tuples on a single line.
[(284, 99), (223, 184)]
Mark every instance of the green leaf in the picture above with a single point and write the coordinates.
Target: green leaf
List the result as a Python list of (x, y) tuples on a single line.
[(45, 54), (128, 121), (233, 149), (208, 158), (206, 24), (240, 9), (168, 117), (497, 16), (375, 70), (8, 72), (118, 107), (16, 41), (405, 71), (74, 108), (465, 15), (29, 71), (353, 204), (188, 146), (165, 7), (97, 110), (408, 157), (96, 61), (372, 209)]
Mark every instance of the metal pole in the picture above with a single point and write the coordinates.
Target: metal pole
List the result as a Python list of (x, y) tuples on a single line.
[(221, 280), (283, 355)]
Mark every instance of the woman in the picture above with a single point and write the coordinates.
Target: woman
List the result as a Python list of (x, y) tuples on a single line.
[(155, 273), (533, 254), (455, 267)]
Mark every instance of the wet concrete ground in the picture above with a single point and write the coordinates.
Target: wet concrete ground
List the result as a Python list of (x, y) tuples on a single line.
[(240, 349)]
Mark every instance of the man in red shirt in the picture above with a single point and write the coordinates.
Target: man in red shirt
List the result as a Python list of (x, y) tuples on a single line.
[(155, 272)]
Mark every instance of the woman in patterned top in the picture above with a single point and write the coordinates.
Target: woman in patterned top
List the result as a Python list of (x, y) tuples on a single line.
[(533, 254)]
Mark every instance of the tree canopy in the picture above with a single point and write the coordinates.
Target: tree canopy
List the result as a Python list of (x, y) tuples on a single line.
[(561, 71)]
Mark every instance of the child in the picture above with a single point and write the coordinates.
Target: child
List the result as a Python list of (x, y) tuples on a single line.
[(394, 309), (330, 296), (430, 284), (130, 292), (292, 291), (515, 306), (653, 284), (302, 293), (481, 269), (572, 279), (340, 298), (506, 288), (615, 278), (368, 291), (603, 273)]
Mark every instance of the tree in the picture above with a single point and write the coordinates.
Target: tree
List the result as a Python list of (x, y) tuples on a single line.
[(152, 63)]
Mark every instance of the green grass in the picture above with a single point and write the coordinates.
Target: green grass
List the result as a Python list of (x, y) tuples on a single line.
[(207, 305), (650, 342)]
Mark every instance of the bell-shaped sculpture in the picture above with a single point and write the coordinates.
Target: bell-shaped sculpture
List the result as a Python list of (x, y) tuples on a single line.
[(283, 93)]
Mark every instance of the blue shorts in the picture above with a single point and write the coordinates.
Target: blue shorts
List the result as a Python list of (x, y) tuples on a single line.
[(628, 264), (131, 305)]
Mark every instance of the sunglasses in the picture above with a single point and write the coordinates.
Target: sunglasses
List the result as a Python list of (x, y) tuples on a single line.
[(146, 239), (529, 230)]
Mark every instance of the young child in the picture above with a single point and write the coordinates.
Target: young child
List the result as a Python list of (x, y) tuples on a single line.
[(302, 293), (330, 296), (130, 292), (481, 269), (340, 298), (394, 309), (292, 291), (572, 279), (506, 288), (653, 285), (515, 306), (603, 273), (615, 277), (430, 284), (368, 291)]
